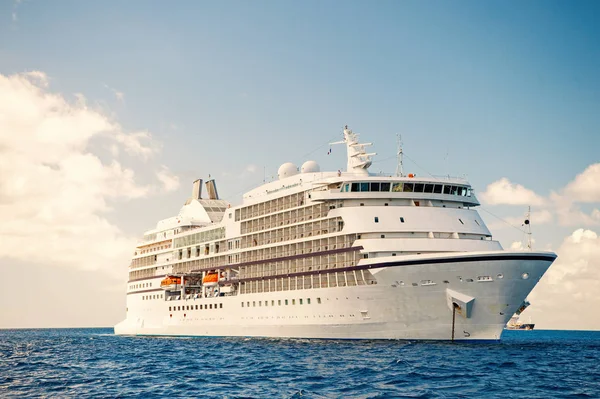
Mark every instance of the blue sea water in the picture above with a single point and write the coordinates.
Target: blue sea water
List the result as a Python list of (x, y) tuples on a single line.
[(95, 363)]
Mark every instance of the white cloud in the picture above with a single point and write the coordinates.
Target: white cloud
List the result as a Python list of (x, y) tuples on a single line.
[(536, 218), (504, 192), (586, 186), (568, 294), (569, 213), (14, 10), (54, 190), (169, 181), (119, 95)]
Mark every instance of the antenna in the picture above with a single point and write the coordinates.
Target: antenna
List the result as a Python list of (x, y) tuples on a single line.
[(399, 167)]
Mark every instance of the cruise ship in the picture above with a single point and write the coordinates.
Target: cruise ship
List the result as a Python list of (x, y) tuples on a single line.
[(330, 255)]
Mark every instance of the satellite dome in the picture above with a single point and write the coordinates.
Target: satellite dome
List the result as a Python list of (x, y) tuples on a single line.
[(310, 167), (286, 170)]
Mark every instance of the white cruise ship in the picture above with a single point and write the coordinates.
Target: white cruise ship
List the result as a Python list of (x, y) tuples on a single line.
[(337, 255)]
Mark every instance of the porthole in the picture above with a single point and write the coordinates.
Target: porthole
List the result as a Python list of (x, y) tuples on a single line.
[(500, 275), (525, 276)]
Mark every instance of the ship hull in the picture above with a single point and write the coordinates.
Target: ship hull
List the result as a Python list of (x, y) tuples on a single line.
[(463, 296)]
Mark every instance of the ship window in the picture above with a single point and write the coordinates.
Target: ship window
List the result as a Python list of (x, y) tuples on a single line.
[(248, 303), (393, 254), (386, 204), (428, 188), (385, 186), (345, 188), (308, 301), (383, 236), (178, 307), (286, 301), (461, 222), (408, 187), (266, 303), (446, 282), (169, 308), (362, 204), (319, 300), (397, 187), (253, 303), (447, 189), (242, 304), (376, 219), (196, 307), (454, 190), (293, 301), (468, 191), (364, 186), (259, 303), (417, 203), (375, 186), (279, 302), (273, 302), (437, 189), (220, 306), (401, 219), (463, 191), (355, 187), (300, 301), (419, 187)]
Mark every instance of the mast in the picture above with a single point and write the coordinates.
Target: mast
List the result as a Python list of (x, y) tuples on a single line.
[(527, 224), (358, 159), (399, 167)]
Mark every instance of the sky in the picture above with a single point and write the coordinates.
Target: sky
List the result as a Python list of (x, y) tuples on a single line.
[(109, 110)]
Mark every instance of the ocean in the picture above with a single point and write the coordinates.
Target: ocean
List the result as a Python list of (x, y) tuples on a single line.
[(81, 363)]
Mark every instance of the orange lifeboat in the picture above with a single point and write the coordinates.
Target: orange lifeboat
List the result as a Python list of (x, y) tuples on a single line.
[(211, 279), (170, 283)]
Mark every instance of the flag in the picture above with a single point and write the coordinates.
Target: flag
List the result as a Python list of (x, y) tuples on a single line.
[(329, 152)]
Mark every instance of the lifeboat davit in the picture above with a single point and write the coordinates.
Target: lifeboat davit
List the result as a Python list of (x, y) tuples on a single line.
[(170, 283), (210, 280)]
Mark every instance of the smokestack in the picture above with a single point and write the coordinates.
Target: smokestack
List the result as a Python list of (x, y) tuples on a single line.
[(211, 188), (197, 189)]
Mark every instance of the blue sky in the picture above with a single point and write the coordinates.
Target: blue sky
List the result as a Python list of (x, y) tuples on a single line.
[(488, 89)]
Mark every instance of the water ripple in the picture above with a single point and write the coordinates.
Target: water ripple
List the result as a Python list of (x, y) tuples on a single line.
[(95, 363)]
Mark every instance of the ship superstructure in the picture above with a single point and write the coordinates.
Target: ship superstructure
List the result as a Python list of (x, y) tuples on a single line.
[(330, 255)]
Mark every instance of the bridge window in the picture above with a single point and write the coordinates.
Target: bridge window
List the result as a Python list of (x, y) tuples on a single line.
[(419, 187), (364, 187), (375, 186), (397, 187), (447, 189), (408, 187), (437, 189), (428, 188), (355, 187)]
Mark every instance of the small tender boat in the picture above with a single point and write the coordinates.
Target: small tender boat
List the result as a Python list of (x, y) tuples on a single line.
[(210, 280), (171, 283)]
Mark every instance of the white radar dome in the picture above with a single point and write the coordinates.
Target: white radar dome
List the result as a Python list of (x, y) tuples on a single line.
[(286, 170), (310, 167)]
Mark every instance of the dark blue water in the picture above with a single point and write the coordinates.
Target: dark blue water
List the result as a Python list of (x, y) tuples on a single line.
[(95, 363)]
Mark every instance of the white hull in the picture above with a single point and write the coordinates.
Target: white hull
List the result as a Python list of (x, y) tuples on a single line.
[(386, 310)]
